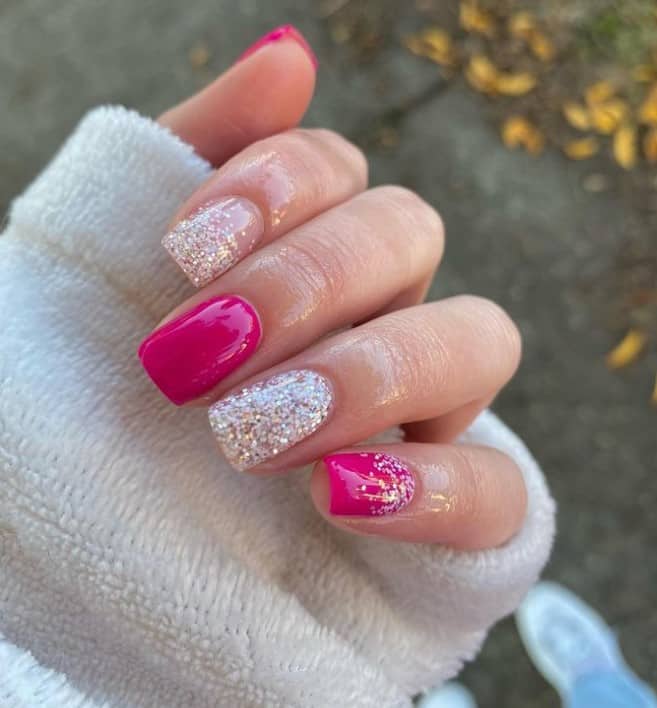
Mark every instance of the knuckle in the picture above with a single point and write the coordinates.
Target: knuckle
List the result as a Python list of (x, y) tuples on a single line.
[(399, 342), (335, 144), (498, 328), (319, 268), (411, 210)]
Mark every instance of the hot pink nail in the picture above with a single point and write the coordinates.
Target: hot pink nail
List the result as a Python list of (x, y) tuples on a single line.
[(368, 484), (282, 32), (190, 355)]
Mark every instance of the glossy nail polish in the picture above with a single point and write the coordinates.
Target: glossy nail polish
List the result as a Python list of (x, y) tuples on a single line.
[(262, 420), (368, 484), (282, 32), (214, 238), (190, 355)]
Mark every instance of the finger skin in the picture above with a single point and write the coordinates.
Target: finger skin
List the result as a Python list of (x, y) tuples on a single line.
[(267, 189), (330, 272), (264, 94), (448, 427), (465, 497), (415, 364)]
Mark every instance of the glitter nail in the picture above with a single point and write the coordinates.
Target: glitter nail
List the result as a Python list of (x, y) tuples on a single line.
[(262, 420), (214, 238)]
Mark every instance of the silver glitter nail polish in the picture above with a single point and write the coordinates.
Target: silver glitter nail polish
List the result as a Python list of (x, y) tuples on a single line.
[(214, 238), (270, 416)]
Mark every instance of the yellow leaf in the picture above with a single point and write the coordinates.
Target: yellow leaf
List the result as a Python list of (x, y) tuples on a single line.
[(628, 350), (644, 73), (648, 109), (581, 149), (541, 46), (515, 84), (521, 25), (517, 131), (433, 43), (650, 145), (606, 116), (475, 19), (576, 115), (482, 74), (485, 77), (624, 146), (599, 92), (199, 56)]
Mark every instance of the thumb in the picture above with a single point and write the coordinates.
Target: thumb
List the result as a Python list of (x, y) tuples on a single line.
[(265, 92)]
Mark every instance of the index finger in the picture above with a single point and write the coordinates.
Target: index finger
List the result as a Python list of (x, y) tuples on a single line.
[(265, 92)]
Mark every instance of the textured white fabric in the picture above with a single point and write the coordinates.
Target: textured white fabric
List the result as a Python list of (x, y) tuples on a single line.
[(25, 684), (132, 560)]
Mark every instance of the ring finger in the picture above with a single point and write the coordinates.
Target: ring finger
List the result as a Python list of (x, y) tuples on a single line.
[(415, 364)]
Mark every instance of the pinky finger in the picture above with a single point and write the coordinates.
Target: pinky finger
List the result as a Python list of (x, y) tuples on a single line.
[(462, 496)]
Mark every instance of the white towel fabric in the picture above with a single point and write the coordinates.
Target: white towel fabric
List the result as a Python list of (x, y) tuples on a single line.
[(133, 561)]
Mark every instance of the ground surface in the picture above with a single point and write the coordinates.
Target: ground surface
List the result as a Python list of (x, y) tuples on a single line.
[(522, 231)]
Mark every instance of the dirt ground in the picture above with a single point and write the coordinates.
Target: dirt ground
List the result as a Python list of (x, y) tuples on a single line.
[(526, 231)]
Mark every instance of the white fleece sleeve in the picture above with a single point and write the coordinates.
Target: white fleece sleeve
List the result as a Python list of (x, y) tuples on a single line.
[(132, 560)]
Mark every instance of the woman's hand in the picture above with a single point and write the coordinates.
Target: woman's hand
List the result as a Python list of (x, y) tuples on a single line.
[(124, 532), (307, 334)]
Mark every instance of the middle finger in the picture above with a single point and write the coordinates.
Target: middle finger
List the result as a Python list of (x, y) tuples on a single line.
[(339, 268)]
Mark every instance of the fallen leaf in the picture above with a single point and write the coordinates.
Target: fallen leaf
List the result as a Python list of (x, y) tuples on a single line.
[(521, 25), (653, 398), (650, 145), (581, 149), (577, 115), (388, 137), (433, 43), (475, 19), (518, 131), (485, 77), (606, 116), (648, 109), (628, 350), (514, 84), (624, 146), (341, 32), (542, 46), (599, 92), (644, 73), (482, 73), (199, 56)]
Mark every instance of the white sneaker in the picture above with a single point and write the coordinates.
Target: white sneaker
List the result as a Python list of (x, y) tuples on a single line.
[(575, 650), (451, 695)]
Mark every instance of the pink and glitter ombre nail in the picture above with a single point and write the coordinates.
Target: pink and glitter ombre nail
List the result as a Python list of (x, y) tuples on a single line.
[(190, 355), (214, 238), (282, 32), (368, 484)]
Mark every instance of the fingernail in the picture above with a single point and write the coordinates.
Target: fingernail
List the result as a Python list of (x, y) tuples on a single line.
[(268, 417), (368, 484), (190, 355), (282, 32), (214, 238)]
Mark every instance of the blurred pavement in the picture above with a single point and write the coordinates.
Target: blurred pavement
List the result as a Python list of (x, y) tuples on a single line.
[(520, 230)]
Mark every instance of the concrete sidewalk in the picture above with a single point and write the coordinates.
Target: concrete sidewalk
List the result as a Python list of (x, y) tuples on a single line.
[(521, 231)]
